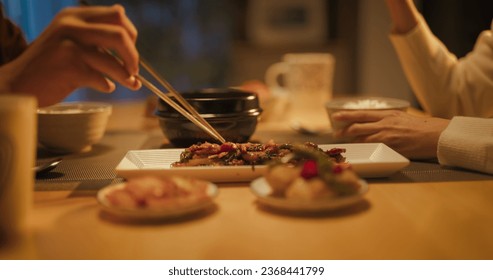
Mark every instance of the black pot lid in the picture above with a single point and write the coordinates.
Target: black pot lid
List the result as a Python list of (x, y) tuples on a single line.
[(215, 101)]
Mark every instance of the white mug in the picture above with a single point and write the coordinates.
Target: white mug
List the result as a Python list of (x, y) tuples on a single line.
[(18, 128), (307, 82)]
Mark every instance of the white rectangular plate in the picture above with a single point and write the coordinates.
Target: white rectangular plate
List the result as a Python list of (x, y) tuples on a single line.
[(368, 160)]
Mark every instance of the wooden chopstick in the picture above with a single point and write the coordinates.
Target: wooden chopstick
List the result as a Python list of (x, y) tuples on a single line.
[(208, 129), (180, 99), (188, 111)]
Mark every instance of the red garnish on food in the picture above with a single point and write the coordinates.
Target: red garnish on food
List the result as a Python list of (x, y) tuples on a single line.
[(309, 169), (226, 147), (337, 169)]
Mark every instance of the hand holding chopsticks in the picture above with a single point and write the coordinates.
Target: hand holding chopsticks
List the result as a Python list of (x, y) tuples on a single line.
[(183, 107)]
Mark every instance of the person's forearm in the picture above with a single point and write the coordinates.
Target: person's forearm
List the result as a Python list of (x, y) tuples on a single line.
[(404, 15)]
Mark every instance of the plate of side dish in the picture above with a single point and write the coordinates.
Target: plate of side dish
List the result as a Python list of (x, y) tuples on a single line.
[(368, 160), (151, 198), (263, 191)]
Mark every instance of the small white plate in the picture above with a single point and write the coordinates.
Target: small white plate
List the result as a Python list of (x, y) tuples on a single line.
[(147, 214), (369, 160), (262, 191)]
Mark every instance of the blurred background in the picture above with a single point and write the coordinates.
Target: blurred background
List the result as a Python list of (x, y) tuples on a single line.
[(216, 43)]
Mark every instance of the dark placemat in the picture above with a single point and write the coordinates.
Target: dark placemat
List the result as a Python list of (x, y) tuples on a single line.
[(94, 169), (428, 171)]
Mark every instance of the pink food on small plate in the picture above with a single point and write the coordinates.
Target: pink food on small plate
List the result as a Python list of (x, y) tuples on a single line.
[(152, 193)]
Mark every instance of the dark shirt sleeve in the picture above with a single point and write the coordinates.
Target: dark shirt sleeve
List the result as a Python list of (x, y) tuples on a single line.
[(12, 41)]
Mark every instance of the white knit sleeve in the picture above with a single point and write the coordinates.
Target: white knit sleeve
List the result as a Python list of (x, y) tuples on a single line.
[(468, 143), (444, 85)]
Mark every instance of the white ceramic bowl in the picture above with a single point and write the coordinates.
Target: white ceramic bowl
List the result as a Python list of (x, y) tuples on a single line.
[(72, 127), (362, 103)]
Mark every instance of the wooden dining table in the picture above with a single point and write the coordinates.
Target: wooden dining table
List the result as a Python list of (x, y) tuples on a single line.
[(425, 211)]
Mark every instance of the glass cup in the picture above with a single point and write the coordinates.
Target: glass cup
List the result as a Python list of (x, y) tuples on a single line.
[(18, 128), (307, 82)]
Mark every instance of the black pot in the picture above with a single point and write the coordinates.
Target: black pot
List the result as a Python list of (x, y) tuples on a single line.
[(233, 113)]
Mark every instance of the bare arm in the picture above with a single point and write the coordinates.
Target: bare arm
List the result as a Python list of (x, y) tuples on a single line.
[(68, 55)]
